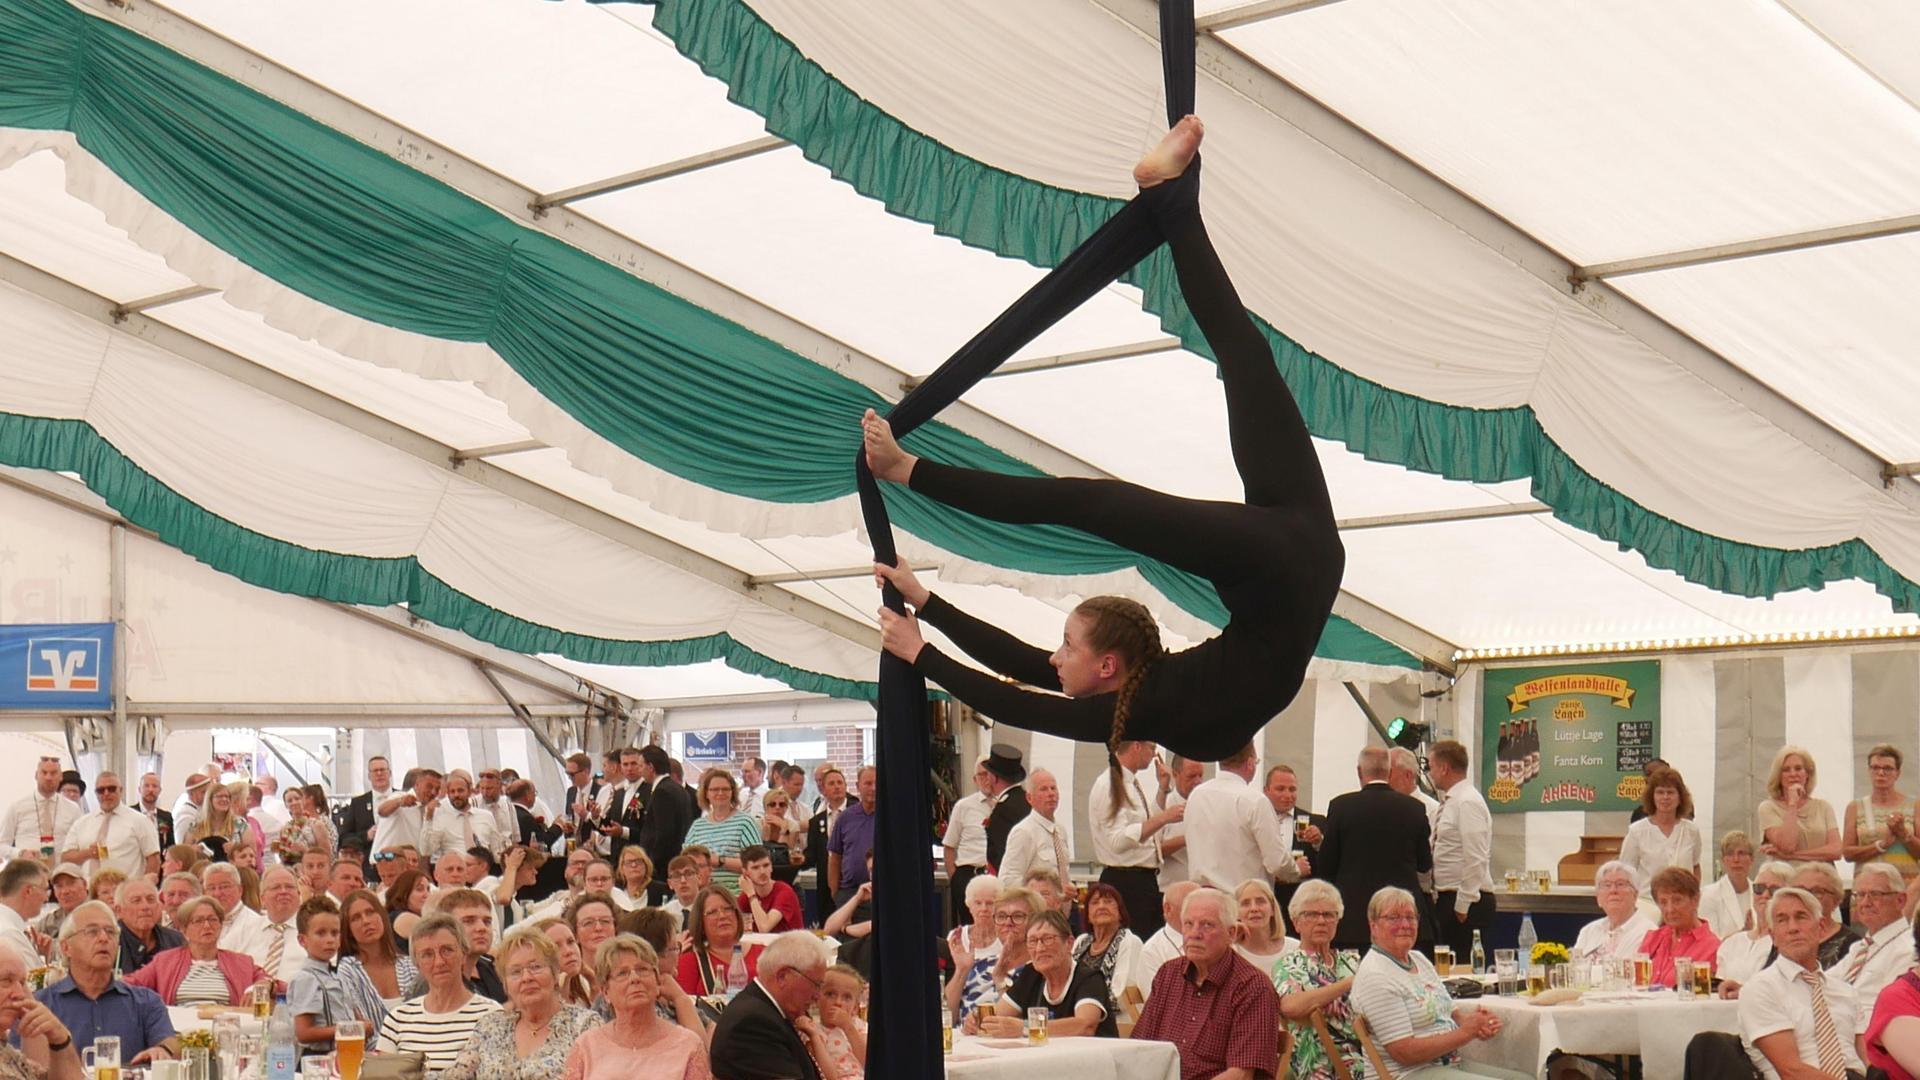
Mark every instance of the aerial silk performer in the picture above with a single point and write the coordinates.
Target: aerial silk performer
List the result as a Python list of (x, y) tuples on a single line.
[(1275, 560)]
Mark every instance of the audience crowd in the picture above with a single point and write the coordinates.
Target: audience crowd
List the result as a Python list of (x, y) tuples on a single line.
[(636, 926)]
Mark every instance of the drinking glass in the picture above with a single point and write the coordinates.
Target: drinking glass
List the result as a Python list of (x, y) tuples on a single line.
[(1683, 976), (1443, 960), (318, 1067), (1506, 970), (1544, 879), (1536, 978), (1513, 881), (1703, 980), (1642, 971), (349, 1048), (1036, 1027), (1558, 977), (103, 1058)]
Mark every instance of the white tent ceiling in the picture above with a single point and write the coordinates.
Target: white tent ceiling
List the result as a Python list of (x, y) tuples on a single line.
[(1597, 135)]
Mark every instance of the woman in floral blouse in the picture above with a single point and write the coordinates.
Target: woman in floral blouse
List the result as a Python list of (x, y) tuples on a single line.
[(530, 1038), (1314, 976)]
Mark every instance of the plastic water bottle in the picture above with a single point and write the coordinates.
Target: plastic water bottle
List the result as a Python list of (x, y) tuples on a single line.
[(283, 1051), (1479, 956), (1528, 939)]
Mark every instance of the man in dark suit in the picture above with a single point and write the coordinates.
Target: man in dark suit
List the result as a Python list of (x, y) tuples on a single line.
[(1375, 837), (150, 808), (527, 829), (760, 1035), (625, 807), (1008, 800), (1303, 830), (668, 811), (357, 822), (582, 791)]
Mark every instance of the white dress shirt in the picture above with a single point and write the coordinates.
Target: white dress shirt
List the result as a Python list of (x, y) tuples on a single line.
[(1233, 835), (244, 929), (967, 831), (1167, 944), (20, 824), (13, 934), (1876, 960), (1597, 942), (449, 830), (750, 799), (1174, 868), (505, 821), (1116, 830), (1463, 846), (186, 813), (1032, 843), (1649, 851), (405, 826), (1741, 956), (1724, 910), (1776, 1000), (130, 839), (260, 945)]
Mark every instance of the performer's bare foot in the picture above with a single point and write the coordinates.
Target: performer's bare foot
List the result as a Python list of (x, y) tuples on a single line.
[(1175, 152), (884, 455)]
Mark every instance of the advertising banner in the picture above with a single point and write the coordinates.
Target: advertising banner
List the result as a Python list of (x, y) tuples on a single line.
[(709, 747), (1569, 737), (56, 666)]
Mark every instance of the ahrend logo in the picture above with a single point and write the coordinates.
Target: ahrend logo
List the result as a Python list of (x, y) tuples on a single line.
[(63, 665)]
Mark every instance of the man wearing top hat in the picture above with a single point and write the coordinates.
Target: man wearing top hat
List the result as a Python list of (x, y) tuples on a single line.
[(1005, 797)]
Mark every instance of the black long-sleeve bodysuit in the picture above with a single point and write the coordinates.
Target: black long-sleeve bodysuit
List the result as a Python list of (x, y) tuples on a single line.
[(1276, 560)]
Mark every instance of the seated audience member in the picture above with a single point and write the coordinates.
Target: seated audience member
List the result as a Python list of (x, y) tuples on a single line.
[(316, 995), (717, 964), (1622, 926), (1893, 1034), (986, 980), (276, 944), (1052, 891), (176, 889), (1823, 881), (1415, 1022), (635, 873), (438, 1023), (344, 878), (69, 892), (181, 859), (245, 854), (770, 905), (1218, 1009), (683, 877), (200, 972), (47, 1051), (1792, 1015), (474, 912), (1260, 936), (597, 877), (852, 923), (1317, 976), (840, 994), (1166, 944), (518, 878), (1076, 998), (702, 857), (376, 974), (1793, 824), (976, 938), (388, 864), (23, 892), (1108, 946), (407, 901), (141, 936), (531, 1038), (483, 870), (576, 988), (1727, 903), (1680, 933), (675, 1005), (1743, 955), (637, 1044), (222, 883), (1887, 949), (91, 1000), (594, 919), (765, 1032), (101, 885), (450, 870)]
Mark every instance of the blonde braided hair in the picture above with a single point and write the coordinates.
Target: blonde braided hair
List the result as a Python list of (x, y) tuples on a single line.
[(1127, 629)]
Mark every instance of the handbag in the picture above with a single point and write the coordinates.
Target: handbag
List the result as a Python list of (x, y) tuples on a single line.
[(399, 1065)]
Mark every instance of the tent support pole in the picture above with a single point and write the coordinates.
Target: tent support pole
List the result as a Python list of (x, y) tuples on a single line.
[(1419, 775), (118, 735), (520, 713)]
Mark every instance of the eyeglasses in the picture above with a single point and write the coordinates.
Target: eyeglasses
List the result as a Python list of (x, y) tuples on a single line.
[(106, 789), (596, 923), (1399, 919), (1766, 890), (521, 971), (101, 931), (1037, 940), (1874, 894), (817, 983), (1316, 915), (1009, 918)]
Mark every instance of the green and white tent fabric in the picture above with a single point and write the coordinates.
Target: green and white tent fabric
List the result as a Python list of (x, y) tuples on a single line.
[(551, 320)]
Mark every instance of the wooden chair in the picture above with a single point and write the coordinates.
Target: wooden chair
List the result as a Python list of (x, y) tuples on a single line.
[(1131, 1005), (1332, 1049), (1376, 1057)]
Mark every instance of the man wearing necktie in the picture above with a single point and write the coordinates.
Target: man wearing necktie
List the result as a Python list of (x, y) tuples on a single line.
[(116, 836), (626, 808), (1798, 1022), (1038, 840), (456, 826)]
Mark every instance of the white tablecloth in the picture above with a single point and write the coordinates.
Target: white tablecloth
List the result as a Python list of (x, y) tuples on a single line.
[(1084, 1058), (1656, 1026), (187, 1018)]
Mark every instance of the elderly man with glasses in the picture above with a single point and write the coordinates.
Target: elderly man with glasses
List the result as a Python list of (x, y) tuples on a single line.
[(90, 1002), (765, 1032), (1887, 951)]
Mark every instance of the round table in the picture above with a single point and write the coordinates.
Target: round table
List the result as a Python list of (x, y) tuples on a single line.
[(976, 1058), (1655, 1025)]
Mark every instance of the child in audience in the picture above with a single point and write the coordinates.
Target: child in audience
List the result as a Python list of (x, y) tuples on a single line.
[(316, 995), (840, 994)]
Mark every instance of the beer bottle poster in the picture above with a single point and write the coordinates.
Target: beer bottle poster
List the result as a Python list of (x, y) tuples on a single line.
[(1570, 736)]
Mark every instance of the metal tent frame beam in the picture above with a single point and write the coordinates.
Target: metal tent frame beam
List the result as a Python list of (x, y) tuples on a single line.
[(1746, 249), (1219, 60), (665, 170), (1248, 14)]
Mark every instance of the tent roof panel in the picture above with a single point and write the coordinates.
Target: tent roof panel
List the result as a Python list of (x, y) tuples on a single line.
[(62, 235), (1609, 131), (1879, 34)]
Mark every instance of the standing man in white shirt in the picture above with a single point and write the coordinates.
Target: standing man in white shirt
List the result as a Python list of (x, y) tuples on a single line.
[(1793, 1015), (404, 814), (492, 799), (964, 847), (35, 826), (1232, 834), (114, 837), (23, 892), (1300, 829), (460, 824), (1126, 834), (1177, 783), (1887, 951), (360, 826), (187, 808), (1462, 850), (1038, 840), (753, 786)]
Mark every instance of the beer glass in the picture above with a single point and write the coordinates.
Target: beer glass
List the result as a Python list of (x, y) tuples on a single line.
[(1642, 971), (1544, 879), (349, 1048), (1513, 881), (1683, 976), (1536, 979), (1036, 1027), (1443, 960), (1703, 979), (103, 1058)]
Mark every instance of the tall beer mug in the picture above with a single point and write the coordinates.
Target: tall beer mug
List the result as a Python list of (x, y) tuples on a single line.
[(349, 1048), (103, 1058)]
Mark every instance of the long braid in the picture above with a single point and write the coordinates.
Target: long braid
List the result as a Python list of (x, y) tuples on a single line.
[(1127, 628)]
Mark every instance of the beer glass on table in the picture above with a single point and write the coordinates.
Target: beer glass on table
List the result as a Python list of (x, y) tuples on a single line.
[(103, 1058), (349, 1048), (1036, 1027), (1536, 979), (1642, 971), (1443, 960), (1702, 979)]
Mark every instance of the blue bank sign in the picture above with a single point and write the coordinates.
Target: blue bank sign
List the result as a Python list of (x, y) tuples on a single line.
[(56, 666)]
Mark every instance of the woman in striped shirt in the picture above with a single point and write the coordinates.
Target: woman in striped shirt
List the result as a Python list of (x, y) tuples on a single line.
[(438, 1024), (723, 829)]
